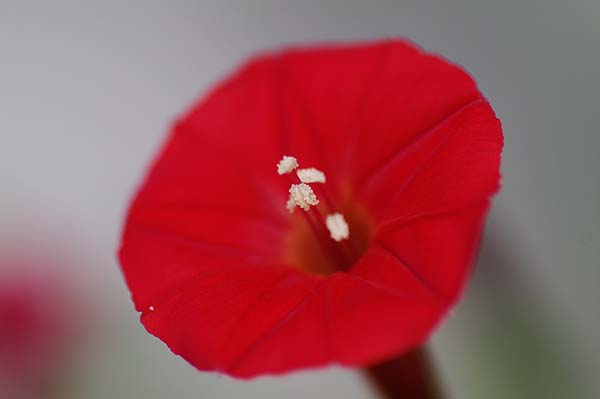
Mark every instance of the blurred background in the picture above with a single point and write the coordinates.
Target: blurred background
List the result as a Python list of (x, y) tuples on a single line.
[(87, 92)]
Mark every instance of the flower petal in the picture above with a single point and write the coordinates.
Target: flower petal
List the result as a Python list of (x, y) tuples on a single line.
[(348, 109), (449, 167), (372, 320), (234, 321)]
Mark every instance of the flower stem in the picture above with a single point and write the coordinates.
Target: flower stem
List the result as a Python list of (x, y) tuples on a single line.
[(410, 376)]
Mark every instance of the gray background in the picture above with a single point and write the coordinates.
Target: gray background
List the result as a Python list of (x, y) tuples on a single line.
[(87, 92)]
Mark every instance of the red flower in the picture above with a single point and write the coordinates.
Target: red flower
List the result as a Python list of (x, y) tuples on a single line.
[(37, 327), (231, 281)]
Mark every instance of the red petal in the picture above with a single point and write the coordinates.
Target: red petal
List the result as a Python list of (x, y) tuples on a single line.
[(220, 320), (409, 136), (451, 166), (321, 92), (439, 249), (298, 339), (348, 109)]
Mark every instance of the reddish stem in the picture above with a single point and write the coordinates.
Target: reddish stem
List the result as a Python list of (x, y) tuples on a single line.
[(410, 376)]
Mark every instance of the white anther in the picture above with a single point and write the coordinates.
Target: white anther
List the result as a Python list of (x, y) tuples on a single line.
[(291, 204), (286, 165), (151, 308), (311, 175), (303, 196), (337, 226)]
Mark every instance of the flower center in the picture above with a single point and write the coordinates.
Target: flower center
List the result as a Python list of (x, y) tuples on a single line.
[(325, 237)]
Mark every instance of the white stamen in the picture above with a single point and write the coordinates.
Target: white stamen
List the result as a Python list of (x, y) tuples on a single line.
[(151, 308), (286, 165), (303, 196), (311, 175), (337, 226), (291, 204)]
